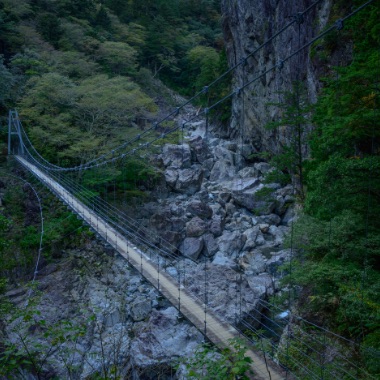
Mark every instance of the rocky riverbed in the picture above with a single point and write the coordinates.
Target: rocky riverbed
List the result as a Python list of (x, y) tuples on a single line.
[(226, 228)]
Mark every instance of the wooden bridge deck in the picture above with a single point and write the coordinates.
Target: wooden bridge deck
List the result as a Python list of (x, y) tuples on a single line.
[(216, 330)]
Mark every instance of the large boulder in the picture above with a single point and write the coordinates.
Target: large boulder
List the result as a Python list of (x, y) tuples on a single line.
[(222, 170), (253, 202), (160, 221), (200, 209), (189, 180), (171, 177), (231, 243), (140, 309), (199, 149), (217, 225), (162, 337), (196, 227), (176, 156), (191, 247), (210, 245)]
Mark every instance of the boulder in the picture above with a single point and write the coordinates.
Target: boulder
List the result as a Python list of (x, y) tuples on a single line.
[(262, 168), (222, 260), (216, 226), (277, 260), (140, 309), (248, 172), (176, 156), (160, 221), (253, 262), (261, 285), (269, 219), (210, 245), (242, 184), (200, 209), (189, 180), (199, 149), (223, 154), (253, 202), (192, 247), (196, 227), (163, 337), (171, 177), (231, 243), (171, 237), (251, 235), (222, 170)]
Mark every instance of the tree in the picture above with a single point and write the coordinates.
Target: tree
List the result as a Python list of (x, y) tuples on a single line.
[(49, 25), (118, 57), (295, 122), (229, 364)]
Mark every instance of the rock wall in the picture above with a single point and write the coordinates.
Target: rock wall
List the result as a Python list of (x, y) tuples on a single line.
[(249, 23)]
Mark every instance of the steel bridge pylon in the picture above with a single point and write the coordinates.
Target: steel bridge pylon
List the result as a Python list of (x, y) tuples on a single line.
[(14, 129)]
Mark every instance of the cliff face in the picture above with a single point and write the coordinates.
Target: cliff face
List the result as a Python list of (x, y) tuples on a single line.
[(249, 23)]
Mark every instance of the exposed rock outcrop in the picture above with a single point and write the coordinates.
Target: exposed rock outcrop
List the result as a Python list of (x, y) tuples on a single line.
[(247, 24)]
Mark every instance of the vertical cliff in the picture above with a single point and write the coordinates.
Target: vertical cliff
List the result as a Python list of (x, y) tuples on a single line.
[(249, 23)]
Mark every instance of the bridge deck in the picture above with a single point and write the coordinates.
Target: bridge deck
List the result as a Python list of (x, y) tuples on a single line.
[(217, 331)]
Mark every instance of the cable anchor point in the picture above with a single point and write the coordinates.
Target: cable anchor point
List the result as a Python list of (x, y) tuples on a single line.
[(299, 17), (339, 24), (243, 61)]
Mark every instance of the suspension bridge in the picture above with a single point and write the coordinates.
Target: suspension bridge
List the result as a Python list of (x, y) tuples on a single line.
[(137, 245)]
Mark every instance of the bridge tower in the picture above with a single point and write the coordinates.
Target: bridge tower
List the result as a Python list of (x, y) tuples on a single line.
[(14, 128)]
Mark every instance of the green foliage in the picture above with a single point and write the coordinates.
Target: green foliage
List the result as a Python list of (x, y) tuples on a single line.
[(295, 114), (34, 352), (338, 237), (229, 364)]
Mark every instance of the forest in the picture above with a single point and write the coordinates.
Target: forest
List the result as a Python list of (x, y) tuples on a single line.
[(85, 73)]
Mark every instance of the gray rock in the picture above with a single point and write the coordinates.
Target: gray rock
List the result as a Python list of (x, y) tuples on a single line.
[(223, 154), (218, 210), (231, 243), (216, 226), (210, 245), (178, 224), (163, 337), (269, 219), (113, 318), (261, 285), (200, 209), (160, 221), (253, 203), (288, 216), (222, 260), (224, 197), (189, 180), (277, 260), (222, 170), (192, 247), (278, 233), (242, 184), (262, 167), (253, 262), (196, 227), (171, 177), (140, 309), (171, 237), (199, 149), (176, 156), (251, 235), (248, 172)]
